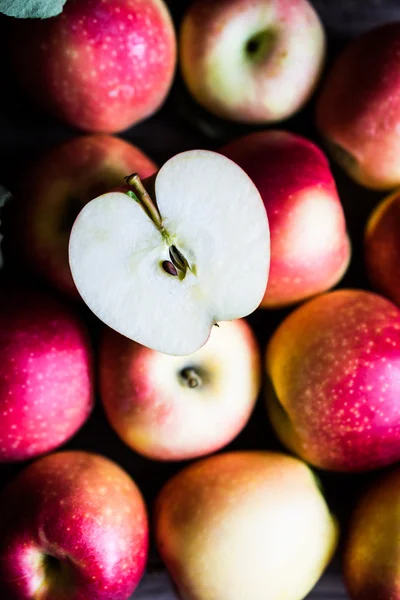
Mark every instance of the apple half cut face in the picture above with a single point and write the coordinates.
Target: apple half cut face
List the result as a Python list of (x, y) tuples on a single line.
[(163, 270)]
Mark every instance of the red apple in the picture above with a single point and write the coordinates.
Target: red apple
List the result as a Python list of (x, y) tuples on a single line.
[(73, 527), (334, 366), (102, 65), (382, 247), (178, 407), (310, 249), (253, 61), (358, 110), (244, 525), (371, 557), (56, 188), (46, 379)]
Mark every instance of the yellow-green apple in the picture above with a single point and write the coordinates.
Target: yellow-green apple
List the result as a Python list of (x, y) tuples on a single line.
[(46, 381), (180, 407), (102, 65), (55, 189), (382, 247), (334, 369), (358, 110), (73, 526), (371, 557), (310, 249), (244, 525), (252, 62), (163, 265)]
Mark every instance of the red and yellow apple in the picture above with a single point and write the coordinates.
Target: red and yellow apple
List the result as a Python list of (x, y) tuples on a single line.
[(251, 61), (73, 526), (244, 525), (310, 249), (382, 247), (46, 379), (179, 407), (358, 110), (371, 557), (101, 65), (334, 369), (55, 189)]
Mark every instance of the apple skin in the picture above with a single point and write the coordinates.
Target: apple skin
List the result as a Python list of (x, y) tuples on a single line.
[(55, 189), (154, 410), (382, 247), (334, 369), (371, 555), (73, 527), (102, 65), (310, 249), (358, 110), (234, 525), (251, 61), (46, 378)]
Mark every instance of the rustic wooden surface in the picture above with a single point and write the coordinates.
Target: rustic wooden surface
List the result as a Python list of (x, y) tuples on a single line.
[(181, 125)]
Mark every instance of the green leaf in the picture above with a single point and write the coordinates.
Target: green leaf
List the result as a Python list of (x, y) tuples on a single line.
[(132, 194), (5, 197), (31, 9)]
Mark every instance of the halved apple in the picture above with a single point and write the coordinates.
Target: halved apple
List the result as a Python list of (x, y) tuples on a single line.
[(163, 271)]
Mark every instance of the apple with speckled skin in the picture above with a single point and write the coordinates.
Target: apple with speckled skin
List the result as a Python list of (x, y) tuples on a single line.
[(55, 189), (382, 247), (73, 526), (180, 407), (236, 524), (334, 369), (371, 556), (358, 110), (102, 65), (310, 249), (46, 379), (251, 61)]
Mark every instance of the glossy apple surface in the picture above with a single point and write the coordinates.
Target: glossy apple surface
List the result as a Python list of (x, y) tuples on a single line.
[(334, 369), (73, 527), (55, 189), (251, 61), (46, 379), (179, 407), (237, 524), (382, 247), (310, 249), (358, 110), (102, 65)]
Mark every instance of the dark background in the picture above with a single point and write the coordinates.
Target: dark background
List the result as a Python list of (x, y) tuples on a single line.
[(181, 125)]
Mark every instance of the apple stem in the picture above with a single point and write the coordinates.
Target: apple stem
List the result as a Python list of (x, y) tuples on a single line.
[(191, 378), (143, 197)]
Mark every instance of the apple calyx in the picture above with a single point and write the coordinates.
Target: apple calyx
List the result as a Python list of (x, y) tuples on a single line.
[(178, 265), (190, 377)]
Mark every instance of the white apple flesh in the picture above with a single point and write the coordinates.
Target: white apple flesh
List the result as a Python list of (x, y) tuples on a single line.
[(209, 211)]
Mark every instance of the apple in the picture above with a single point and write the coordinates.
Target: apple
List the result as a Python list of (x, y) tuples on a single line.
[(180, 407), (334, 369), (100, 66), (358, 110), (310, 249), (55, 189), (382, 247), (244, 525), (163, 270), (73, 527), (371, 556), (251, 61), (46, 379)]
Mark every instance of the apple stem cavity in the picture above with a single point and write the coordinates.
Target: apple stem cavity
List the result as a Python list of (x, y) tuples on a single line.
[(261, 45), (190, 377)]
